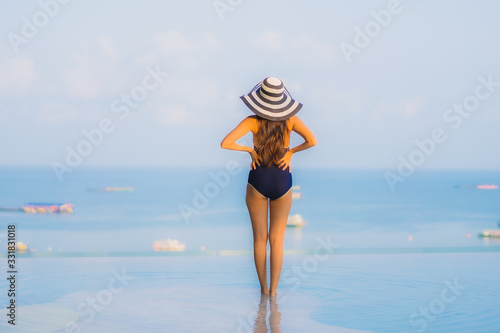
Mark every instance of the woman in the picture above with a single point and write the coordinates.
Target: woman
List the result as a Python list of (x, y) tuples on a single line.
[(270, 178)]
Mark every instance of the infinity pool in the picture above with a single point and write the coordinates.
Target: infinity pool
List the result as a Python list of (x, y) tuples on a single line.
[(217, 292)]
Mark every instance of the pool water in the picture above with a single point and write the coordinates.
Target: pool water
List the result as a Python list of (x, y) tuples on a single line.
[(402, 261), (431, 292)]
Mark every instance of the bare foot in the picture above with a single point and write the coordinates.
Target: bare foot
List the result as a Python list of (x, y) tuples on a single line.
[(264, 291), (273, 293)]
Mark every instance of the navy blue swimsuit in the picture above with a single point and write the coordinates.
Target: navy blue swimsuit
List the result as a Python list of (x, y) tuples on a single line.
[(272, 181)]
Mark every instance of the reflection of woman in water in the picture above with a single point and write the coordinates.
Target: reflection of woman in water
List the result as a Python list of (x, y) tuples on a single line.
[(274, 318), (270, 178), (260, 320)]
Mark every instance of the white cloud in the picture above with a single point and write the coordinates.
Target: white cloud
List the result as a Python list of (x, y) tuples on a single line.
[(188, 94), (198, 92), (210, 41), (308, 50), (16, 75), (93, 75), (179, 51), (149, 59), (189, 102), (271, 41), (82, 81), (57, 113), (174, 42), (338, 106), (407, 109), (296, 50), (189, 63), (170, 42), (173, 115), (106, 47), (412, 107)]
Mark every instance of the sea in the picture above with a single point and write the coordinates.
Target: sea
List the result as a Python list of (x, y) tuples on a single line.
[(371, 257)]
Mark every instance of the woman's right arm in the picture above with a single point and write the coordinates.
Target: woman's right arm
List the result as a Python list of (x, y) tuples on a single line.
[(303, 131)]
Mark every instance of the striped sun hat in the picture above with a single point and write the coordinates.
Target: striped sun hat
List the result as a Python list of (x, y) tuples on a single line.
[(269, 99)]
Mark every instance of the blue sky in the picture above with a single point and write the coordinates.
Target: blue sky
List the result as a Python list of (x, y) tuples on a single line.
[(365, 113)]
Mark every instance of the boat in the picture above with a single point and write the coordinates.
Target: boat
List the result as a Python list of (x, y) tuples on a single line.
[(168, 245), (487, 187), (111, 189), (295, 221), (479, 187), (47, 208), (21, 247), (490, 233), (295, 192)]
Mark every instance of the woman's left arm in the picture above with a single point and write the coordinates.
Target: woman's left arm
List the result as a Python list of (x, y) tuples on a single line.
[(243, 128)]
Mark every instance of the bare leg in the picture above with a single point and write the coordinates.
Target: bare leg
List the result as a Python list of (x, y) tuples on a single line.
[(257, 208), (279, 210)]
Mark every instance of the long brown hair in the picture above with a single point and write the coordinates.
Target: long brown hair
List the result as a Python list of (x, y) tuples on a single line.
[(270, 139)]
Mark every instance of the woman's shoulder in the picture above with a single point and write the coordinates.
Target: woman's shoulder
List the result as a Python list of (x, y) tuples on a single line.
[(252, 119), (292, 120), (253, 122)]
